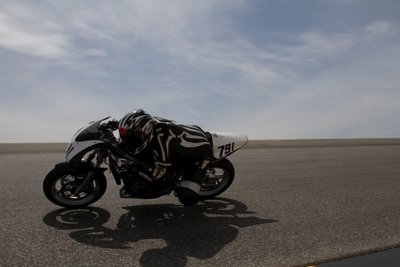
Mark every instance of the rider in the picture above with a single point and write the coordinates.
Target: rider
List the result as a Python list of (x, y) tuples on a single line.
[(169, 143)]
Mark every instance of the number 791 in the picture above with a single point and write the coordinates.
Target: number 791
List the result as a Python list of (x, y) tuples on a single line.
[(226, 149)]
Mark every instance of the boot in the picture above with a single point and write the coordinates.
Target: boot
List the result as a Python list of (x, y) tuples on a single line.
[(124, 193), (186, 196)]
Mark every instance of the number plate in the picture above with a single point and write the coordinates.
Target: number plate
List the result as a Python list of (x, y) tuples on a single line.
[(226, 150)]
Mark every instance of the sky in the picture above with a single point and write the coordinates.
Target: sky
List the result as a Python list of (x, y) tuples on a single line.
[(271, 69)]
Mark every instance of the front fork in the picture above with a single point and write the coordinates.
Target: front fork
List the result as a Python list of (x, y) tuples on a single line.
[(88, 179), (91, 174)]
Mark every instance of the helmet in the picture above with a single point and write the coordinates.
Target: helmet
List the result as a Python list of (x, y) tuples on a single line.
[(136, 129)]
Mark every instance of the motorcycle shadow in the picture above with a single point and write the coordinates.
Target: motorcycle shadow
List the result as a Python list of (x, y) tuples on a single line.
[(199, 232)]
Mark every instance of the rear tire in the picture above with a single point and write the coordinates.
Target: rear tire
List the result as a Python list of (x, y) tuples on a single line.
[(218, 178), (59, 185)]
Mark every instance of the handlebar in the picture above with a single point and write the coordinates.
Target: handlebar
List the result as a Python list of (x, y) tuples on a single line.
[(108, 129), (111, 125)]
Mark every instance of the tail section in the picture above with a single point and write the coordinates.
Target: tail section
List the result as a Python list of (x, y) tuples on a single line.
[(225, 144)]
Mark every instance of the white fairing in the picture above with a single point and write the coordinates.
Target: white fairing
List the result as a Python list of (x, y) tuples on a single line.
[(74, 148), (225, 144)]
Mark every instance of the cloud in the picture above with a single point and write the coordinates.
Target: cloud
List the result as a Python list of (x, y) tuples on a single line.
[(340, 85), (382, 30), (378, 28), (216, 63), (17, 37), (317, 45)]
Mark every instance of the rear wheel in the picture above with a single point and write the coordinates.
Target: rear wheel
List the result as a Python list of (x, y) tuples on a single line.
[(59, 188), (218, 178)]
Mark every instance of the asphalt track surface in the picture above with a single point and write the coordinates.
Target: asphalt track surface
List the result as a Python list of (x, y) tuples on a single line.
[(289, 206)]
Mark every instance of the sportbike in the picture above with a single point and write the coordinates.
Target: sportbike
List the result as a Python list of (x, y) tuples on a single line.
[(80, 180)]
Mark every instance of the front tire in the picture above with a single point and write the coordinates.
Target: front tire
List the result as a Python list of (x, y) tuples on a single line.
[(59, 185), (218, 178)]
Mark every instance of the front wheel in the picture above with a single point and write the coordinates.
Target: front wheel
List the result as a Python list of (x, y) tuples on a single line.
[(218, 178), (59, 187)]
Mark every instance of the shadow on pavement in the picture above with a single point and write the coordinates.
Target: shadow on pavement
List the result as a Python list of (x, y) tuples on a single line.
[(199, 232)]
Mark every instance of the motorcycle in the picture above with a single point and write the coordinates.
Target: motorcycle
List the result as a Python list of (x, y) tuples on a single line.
[(80, 180)]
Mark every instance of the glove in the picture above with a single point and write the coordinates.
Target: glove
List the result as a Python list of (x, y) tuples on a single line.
[(113, 125)]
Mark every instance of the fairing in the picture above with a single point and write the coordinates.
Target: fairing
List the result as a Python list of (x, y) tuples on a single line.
[(83, 139), (224, 144)]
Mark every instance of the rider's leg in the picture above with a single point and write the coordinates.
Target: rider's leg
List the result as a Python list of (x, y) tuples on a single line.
[(189, 188)]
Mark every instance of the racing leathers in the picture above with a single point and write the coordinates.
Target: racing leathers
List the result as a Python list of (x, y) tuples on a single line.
[(175, 144)]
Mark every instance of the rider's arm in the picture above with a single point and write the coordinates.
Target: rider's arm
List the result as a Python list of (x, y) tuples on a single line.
[(161, 140)]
